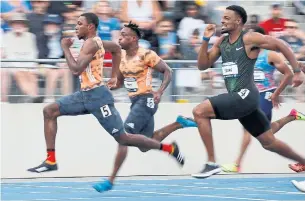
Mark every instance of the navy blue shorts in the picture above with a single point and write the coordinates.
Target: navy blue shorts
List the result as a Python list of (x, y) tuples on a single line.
[(99, 102), (140, 119), (266, 104)]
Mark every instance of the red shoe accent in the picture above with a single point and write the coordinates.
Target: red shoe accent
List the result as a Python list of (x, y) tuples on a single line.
[(298, 167)]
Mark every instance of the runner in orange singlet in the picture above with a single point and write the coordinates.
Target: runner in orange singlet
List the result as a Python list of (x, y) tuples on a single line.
[(137, 66), (94, 97)]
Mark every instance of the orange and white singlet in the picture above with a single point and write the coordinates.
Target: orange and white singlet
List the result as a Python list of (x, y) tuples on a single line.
[(137, 71), (93, 75)]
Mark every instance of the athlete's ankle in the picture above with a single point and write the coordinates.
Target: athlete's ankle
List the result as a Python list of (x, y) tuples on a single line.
[(167, 148), (51, 156)]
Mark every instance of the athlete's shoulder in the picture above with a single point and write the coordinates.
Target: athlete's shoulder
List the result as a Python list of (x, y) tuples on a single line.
[(220, 40), (90, 45), (145, 51)]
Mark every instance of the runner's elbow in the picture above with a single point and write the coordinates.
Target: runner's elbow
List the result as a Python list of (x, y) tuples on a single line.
[(202, 65)]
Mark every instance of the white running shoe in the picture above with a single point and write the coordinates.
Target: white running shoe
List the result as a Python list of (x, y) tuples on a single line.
[(300, 185)]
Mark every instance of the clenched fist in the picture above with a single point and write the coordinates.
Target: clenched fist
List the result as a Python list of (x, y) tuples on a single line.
[(209, 30)]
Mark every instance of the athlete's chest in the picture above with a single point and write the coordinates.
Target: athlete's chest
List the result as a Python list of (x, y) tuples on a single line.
[(232, 51), (133, 66)]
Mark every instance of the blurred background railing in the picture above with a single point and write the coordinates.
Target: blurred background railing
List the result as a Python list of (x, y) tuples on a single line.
[(188, 85)]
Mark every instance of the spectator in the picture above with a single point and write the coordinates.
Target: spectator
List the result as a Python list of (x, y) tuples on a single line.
[(295, 38), (52, 29), (9, 8), (167, 40), (145, 13), (20, 44), (70, 20), (274, 26), (109, 27), (253, 21), (190, 23), (36, 26)]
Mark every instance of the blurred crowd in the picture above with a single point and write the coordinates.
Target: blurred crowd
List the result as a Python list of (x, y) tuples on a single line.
[(33, 30)]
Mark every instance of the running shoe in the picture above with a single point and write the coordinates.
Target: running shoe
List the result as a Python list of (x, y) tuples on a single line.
[(46, 166), (298, 167), (209, 170), (231, 168), (299, 185), (298, 115), (103, 186), (186, 122), (177, 154)]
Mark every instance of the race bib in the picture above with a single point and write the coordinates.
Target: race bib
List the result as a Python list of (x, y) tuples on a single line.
[(229, 69), (268, 95), (259, 75), (131, 84)]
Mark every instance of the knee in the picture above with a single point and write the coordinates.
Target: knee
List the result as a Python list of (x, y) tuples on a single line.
[(122, 139), (269, 145), (198, 112), (51, 111)]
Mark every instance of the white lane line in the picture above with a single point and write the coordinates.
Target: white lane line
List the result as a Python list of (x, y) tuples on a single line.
[(217, 188), (192, 195)]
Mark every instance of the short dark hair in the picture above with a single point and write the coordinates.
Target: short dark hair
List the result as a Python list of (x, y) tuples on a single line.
[(91, 19), (240, 11), (134, 28), (259, 30)]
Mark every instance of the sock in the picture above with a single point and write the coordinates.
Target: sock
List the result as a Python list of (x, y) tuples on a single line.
[(211, 163), (167, 148), (51, 155)]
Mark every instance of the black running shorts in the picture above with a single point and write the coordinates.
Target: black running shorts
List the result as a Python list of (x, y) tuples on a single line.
[(244, 106)]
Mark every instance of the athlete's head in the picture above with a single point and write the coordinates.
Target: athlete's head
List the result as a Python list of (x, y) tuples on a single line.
[(258, 29), (129, 34), (233, 18), (87, 24)]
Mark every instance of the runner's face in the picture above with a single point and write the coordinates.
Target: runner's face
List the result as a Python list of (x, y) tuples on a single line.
[(230, 21), (81, 27), (126, 38)]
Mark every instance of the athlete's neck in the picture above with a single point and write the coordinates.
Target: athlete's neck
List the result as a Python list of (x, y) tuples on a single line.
[(234, 35), (132, 50), (90, 35)]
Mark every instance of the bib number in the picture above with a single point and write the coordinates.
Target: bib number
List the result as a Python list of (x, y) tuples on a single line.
[(268, 95), (259, 76), (106, 112), (150, 103), (229, 69), (131, 84)]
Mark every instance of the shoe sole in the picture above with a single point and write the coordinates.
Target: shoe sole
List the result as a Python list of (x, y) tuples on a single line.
[(207, 174)]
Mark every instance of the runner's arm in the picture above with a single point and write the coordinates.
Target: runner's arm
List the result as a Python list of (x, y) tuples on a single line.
[(271, 43), (206, 57), (115, 50), (162, 67), (278, 61), (84, 58)]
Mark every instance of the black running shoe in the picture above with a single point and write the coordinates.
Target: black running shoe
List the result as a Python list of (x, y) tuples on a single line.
[(44, 167), (208, 171), (177, 154)]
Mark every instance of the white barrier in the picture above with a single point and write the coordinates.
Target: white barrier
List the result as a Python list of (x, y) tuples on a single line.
[(85, 149)]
